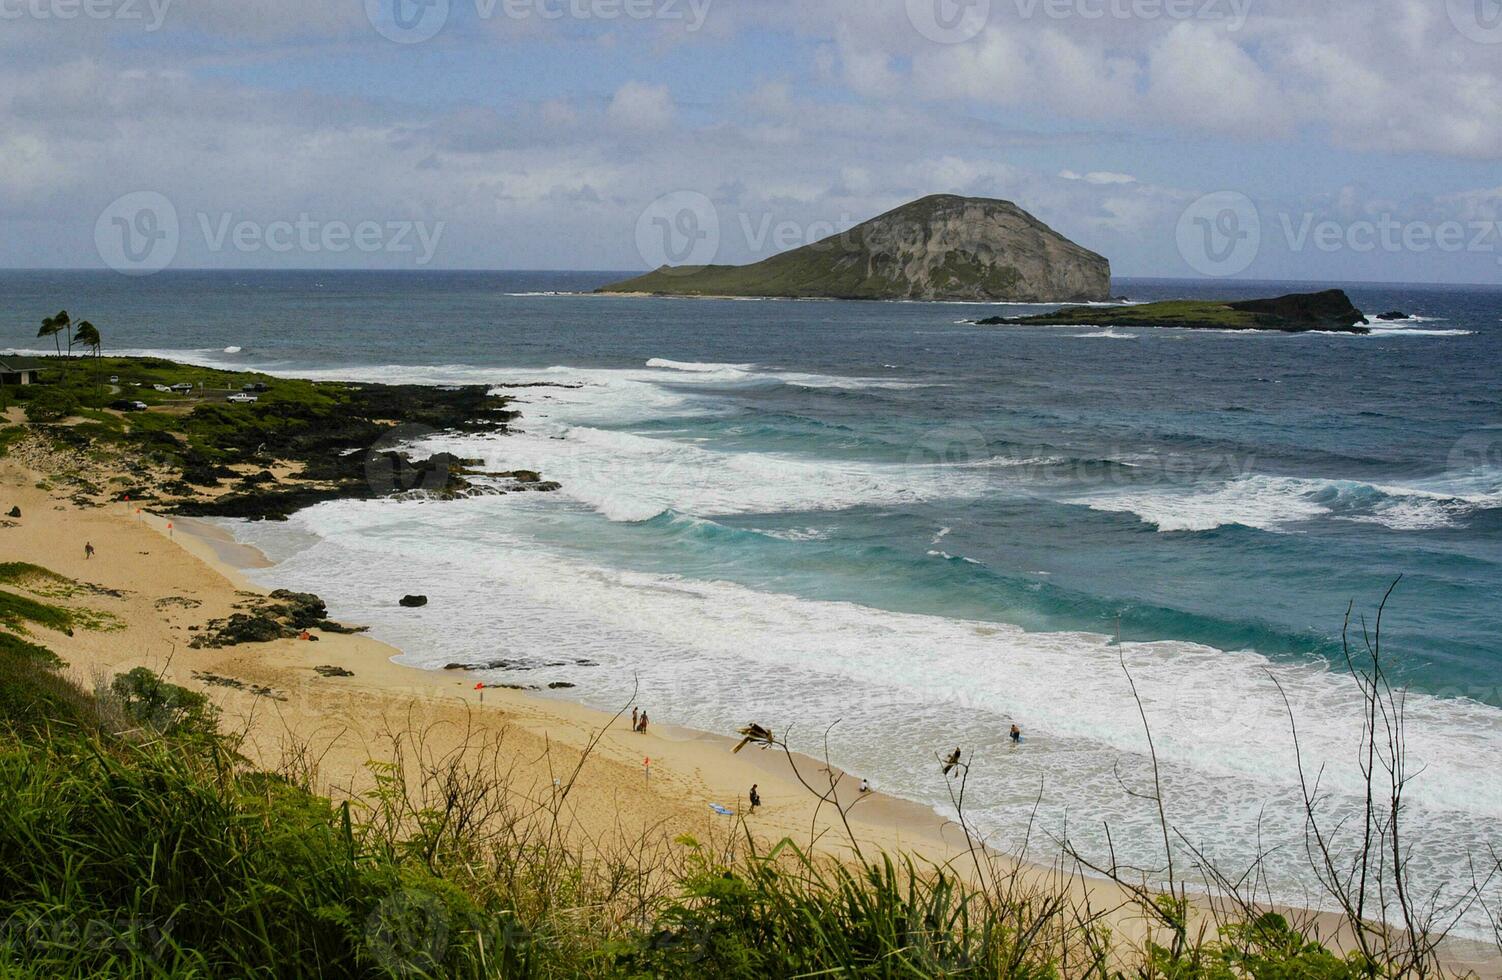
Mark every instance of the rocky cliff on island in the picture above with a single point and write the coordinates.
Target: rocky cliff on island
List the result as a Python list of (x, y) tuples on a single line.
[(942, 247)]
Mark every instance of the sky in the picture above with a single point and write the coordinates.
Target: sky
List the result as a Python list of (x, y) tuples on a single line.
[(1336, 140)]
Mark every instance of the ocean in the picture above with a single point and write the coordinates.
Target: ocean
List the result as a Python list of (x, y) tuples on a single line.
[(882, 518)]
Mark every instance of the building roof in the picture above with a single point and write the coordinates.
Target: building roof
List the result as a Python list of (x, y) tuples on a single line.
[(10, 363)]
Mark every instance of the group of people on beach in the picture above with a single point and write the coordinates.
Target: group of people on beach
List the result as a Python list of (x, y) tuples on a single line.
[(639, 720)]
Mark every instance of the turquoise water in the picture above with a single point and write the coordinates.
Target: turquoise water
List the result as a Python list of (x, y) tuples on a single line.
[(883, 515)]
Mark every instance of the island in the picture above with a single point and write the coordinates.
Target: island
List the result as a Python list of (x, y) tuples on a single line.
[(943, 248), (1330, 311)]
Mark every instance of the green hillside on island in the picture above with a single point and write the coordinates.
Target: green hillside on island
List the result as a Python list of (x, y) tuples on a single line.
[(942, 247), (1329, 311)]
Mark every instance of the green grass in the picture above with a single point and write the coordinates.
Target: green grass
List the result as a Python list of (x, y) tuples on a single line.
[(15, 647), (135, 842), (1171, 313), (9, 435), (16, 611)]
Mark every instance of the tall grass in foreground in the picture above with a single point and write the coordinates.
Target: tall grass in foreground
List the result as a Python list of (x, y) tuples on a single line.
[(134, 841)]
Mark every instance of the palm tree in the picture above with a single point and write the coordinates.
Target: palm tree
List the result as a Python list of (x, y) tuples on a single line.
[(51, 328), (87, 335), (63, 323)]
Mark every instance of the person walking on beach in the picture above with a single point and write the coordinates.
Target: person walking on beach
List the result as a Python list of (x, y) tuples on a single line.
[(88, 550), (643, 726), (633, 717), (1016, 734), (755, 798)]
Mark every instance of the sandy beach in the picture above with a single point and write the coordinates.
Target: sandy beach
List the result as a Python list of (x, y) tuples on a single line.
[(162, 577), (326, 708)]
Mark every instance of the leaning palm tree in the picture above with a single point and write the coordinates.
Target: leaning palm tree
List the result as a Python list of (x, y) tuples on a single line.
[(51, 328), (87, 335), (63, 324)]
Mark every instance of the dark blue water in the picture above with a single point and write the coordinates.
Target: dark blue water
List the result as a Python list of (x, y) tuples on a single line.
[(924, 530), (1231, 490)]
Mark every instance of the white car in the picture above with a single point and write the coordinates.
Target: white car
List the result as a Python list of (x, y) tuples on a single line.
[(241, 398), (114, 379), (161, 388)]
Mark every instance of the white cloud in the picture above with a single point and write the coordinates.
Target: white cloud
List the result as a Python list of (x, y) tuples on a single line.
[(641, 108)]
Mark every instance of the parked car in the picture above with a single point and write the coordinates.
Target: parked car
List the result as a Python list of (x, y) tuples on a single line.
[(183, 387), (114, 379), (161, 388), (128, 405), (241, 398)]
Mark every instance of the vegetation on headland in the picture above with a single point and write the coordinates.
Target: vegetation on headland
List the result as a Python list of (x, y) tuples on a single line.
[(1330, 310), (194, 451), (136, 841)]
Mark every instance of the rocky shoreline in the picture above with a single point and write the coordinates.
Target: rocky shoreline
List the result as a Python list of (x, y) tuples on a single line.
[(1330, 311)]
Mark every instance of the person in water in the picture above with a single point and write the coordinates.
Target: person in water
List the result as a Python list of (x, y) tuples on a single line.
[(1016, 735)]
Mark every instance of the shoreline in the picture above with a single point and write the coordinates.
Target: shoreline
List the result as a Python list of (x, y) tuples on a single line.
[(290, 715), (919, 823), (893, 824)]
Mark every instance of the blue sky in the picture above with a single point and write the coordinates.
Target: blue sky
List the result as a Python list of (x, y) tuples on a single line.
[(1343, 140)]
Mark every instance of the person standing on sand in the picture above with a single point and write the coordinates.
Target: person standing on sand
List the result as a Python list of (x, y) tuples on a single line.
[(643, 726), (633, 717), (88, 550), (755, 798)]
